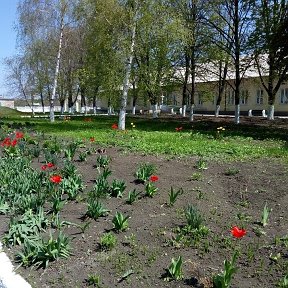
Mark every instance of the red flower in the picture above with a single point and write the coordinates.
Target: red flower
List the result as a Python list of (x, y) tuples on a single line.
[(19, 135), (6, 142), (237, 232), (44, 167), (114, 126), (178, 129), (14, 142), (154, 178), (56, 179), (50, 165), (92, 139)]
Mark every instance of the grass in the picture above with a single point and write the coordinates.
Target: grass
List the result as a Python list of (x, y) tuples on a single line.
[(8, 112), (159, 136)]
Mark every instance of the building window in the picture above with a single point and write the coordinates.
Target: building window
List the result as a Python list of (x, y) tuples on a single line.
[(284, 96), (259, 99), (231, 97), (200, 99), (244, 97)]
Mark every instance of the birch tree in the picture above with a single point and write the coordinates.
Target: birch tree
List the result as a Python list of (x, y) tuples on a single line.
[(133, 8), (268, 40), (236, 30)]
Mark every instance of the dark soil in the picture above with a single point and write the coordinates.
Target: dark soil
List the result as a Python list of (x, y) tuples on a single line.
[(150, 242)]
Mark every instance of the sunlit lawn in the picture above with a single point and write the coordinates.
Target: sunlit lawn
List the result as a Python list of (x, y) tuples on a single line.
[(160, 137)]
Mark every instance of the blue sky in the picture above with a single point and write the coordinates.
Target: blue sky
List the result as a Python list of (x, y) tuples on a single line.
[(8, 38)]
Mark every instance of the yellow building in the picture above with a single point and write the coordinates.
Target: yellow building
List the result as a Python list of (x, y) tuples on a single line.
[(253, 96)]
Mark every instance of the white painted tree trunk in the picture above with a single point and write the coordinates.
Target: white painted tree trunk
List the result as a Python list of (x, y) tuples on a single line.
[(191, 115), (52, 116), (237, 114), (110, 110), (184, 108), (94, 110), (62, 110), (70, 110), (271, 112), (155, 111), (122, 113), (134, 110), (84, 110), (217, 111)]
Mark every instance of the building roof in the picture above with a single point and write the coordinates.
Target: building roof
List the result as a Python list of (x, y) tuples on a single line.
[(209, 72)]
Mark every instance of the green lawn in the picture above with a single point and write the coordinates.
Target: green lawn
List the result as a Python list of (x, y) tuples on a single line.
[(159, 136)]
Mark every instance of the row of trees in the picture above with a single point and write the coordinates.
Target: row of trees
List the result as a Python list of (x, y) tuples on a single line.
[(109, 48)]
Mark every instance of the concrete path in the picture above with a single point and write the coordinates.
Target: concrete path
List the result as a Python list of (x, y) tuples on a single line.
[(9, 279)]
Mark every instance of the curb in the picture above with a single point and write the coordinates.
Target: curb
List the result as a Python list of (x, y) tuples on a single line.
[(8, 278)]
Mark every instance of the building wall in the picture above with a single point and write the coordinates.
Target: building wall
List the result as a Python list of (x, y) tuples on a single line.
[(7, 103), (252, 97)]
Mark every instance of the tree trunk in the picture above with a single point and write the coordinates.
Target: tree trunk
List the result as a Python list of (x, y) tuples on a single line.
[(185, 88), (52, 116), (134, 110), (271, 112), (42, 102), (122, 112), (94, 105), (237, 114), (184, 108), (237, 63), (154, 111), (217, 111), (191, 115)]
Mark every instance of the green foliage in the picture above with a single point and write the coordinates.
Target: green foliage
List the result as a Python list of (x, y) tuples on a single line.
[(102, 161), (108, 241), (175, 269), (265, 215), (72, 186), (27, 227), (193, 217), (57, 202), (41, 252), (120, 221), (101, 187), (132, 196), (94, 280), (174, 195), (196, 176), (150, 189), (201, 164), (95, 209), (232, 172), (240, 143), (283, 283), (223, 280), (70, 150), (69, 169), (83, 156), (144, 171), (117, 188)]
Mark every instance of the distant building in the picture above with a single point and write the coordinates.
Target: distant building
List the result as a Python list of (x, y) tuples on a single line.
[(5, 102)]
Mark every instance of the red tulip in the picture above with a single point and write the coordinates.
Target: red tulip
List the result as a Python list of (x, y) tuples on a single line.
[(13, 143), (19, 135), (178, 129), (114, 126), (237, 232), (92, 139), (6, 142), (50, 165), (154, 178), (56, 179), (44, 167)]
